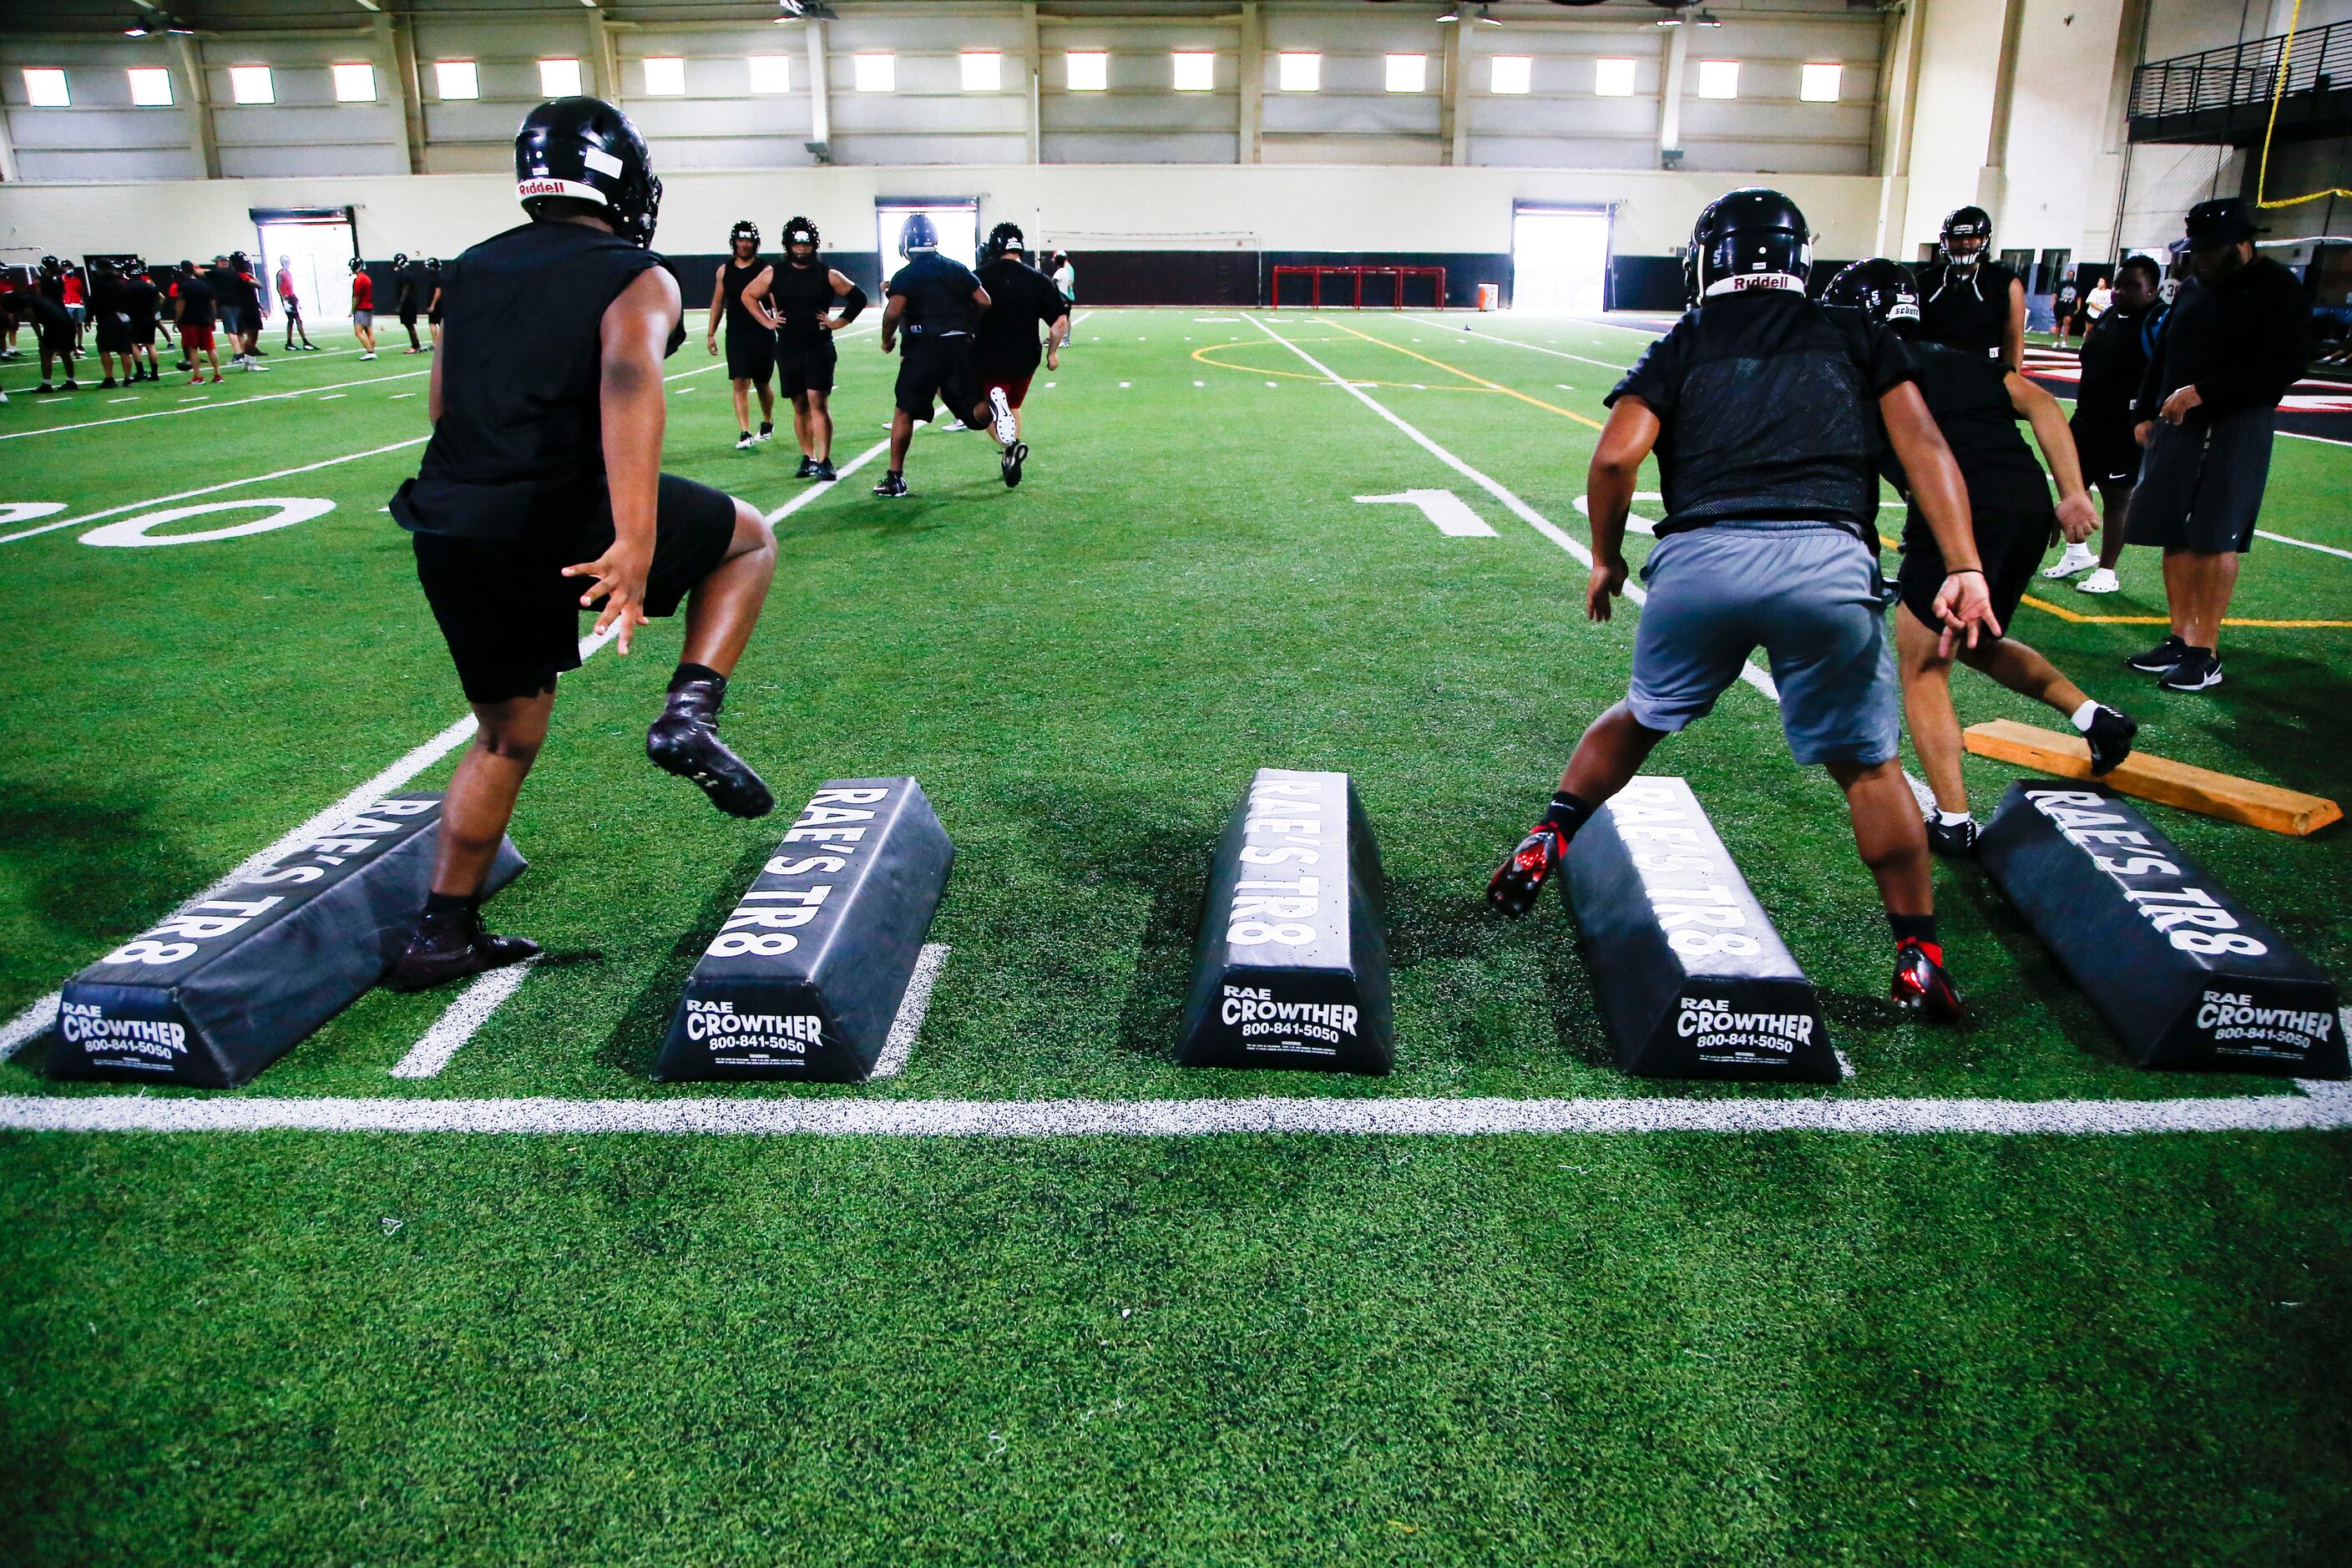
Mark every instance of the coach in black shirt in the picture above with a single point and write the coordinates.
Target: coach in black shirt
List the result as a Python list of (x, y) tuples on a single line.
[(2238, 338)]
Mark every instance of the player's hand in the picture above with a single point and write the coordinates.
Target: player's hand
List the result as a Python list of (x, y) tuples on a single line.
[(2140, 430), (2177, 406), (2077, 518), (889, 343), (1608, 581), (620, 582), (827, 323), (711, 342), (1053, 356), (1964, 603)]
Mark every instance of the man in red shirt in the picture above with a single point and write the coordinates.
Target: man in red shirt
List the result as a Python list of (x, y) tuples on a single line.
[(363, 308), (290, 305)]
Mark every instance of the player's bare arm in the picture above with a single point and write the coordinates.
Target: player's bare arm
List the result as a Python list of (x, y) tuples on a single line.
[(718, 307), (1965, 605), (2012, 332), (2076, 516), (636, 329), (892, 314), (1633, 429)]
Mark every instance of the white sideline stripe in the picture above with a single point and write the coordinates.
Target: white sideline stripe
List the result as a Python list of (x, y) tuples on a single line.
[(1180, 1118), (1750, 673), (1522, 343), (37, 1018), (257, 478), (210, 404), (840, 473), (461, 1020), (2304, 543), (912, 1007)]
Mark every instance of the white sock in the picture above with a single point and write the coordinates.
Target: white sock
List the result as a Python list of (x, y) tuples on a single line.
[(2083, 715), (1952, 818)]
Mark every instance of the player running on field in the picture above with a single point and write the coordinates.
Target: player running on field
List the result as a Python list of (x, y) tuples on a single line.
[(290, 303), (1765, 410), (2115, 350), (541, 491), (363, 308), (799, 298), (1020, 299), (937, 303), (751, 340), (1977, 405)]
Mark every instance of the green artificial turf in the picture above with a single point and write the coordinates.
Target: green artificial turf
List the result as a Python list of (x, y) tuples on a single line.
[(639, 1348)]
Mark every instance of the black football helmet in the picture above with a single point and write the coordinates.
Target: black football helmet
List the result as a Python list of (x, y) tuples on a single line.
[(1966, 223), (585, 148), (1882, 289), (1006, 239), (399, 260), (356, 265), (798, 230), (1752, 237), (918, 237), (744, 229)]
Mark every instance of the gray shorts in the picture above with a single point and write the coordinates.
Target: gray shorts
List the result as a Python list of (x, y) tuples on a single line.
[(364, 320), (1810, 595), (2201, 484)]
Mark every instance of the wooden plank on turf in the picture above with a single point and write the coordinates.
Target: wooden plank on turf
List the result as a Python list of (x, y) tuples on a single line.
[(2159, 779)]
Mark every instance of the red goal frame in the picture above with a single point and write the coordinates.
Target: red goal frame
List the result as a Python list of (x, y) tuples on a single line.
[(1315, 274)]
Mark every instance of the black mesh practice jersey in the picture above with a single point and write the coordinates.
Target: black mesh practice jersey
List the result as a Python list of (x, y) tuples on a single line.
[(521, 370), (1970, 398), (732, 280), (1966, 308), (800, 295), (2114, 356), (1020, 299), (1768, 404), (939, 298)]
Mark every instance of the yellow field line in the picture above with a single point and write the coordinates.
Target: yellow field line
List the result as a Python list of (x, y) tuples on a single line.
[(2066, 615), (1482, 380)]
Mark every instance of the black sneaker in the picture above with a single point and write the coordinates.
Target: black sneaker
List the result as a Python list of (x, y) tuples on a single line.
[(72, 386), (743, 442), (1010, 463), (2111, 735), (44, 389), (892, 485), (1921, 985), (2160, 658), (685, 741), (2200, 669), (1517, 883), (108, 384), (767, 429), (1952, 840), (824, 470), (452, 947), (807, 471)]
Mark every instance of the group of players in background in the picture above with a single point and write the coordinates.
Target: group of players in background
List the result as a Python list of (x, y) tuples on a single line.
[(970, 339)]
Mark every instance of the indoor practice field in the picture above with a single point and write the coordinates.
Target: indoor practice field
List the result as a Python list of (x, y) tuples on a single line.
[(454, 1282)]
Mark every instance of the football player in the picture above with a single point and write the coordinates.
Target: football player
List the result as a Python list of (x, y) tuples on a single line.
[(751, 340), (936, 303), (1977, 405), (363, 308), (1765, 410), (1004, 352), (800, 299), (1969, 302), (541, 492), (2115, 350)]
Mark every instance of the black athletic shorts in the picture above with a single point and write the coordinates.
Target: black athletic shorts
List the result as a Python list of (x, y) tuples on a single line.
[(2200, 486), (2108, 453), (510, 616), (937, 371), (808, 369), (113, 336), (2010, 545), (751, 355)]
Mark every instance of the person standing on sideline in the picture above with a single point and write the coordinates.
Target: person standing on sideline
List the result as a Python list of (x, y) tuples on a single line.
[(1969, 302), (193, 299), (112, 321), (432, 292), (363, 308), (799, 299), (2064, 306), (405, 282), (936, 303), (2116, 351), (750, 338), (291, 304), (2238, 338), (143, 303)]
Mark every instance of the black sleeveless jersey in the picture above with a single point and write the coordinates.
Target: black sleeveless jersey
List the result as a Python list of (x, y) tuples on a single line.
[(1970, 398), (732, 281), (522, 366), (800, 295), (1964, 308)]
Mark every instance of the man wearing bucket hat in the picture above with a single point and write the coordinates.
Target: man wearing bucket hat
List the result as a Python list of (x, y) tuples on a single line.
[(2236, 341)]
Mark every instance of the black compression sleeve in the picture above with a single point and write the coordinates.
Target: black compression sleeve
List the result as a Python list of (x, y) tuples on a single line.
[(852, 304)]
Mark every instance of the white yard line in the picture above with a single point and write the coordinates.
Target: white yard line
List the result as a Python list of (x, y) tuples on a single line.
[(210, 489), (916, 1002), (1753, 674), (2304, 543), (464, 1017), (815, 490), (209, 404), (1522, 343), (1180, 1118)]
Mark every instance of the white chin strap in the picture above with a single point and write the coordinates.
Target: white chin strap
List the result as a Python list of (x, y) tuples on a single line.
[(1740, 282)]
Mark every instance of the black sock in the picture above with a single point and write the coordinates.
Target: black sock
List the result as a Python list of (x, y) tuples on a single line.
[(448, 906), (1567, 814), (1907, 927), (689, 673)]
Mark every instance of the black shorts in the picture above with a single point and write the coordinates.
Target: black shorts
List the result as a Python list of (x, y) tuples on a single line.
[(408, 316), (141, 333), (2010, 545), (2200, 486), (2109, 455), (809, 369), (113, 336), (937, 371), (750, 355), (510, 616)]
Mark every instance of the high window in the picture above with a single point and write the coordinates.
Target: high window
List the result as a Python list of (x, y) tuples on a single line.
[(665, 76), (1512, 74), (150, 87), (252, 84), (45, 87), (771, 73), (1820, 82), (1612, 79), (1719, 79), (983, 70), (876, 73), (1408, 73), (457, 78), (1195, 70), (558, 78), (1302, 72), (354, 81), (1089, 70)]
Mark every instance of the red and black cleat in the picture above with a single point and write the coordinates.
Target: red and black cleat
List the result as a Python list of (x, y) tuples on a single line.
[(1921, 985), (1519, 881)]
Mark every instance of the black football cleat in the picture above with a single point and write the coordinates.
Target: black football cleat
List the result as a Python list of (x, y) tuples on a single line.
[(446, 948), (824, 473), (1952, 840), (892, 485), (2111, 735), (807, 471), (2200, 668), (1921, 986), (1010, 464), (767, 429), (685, 741), (743, 442), (2160, 658), (1519, 881)]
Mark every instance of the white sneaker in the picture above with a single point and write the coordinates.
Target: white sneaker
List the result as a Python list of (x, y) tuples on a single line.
[(369, 355), (2103, 581), (1007, 430), (2077, 558)]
